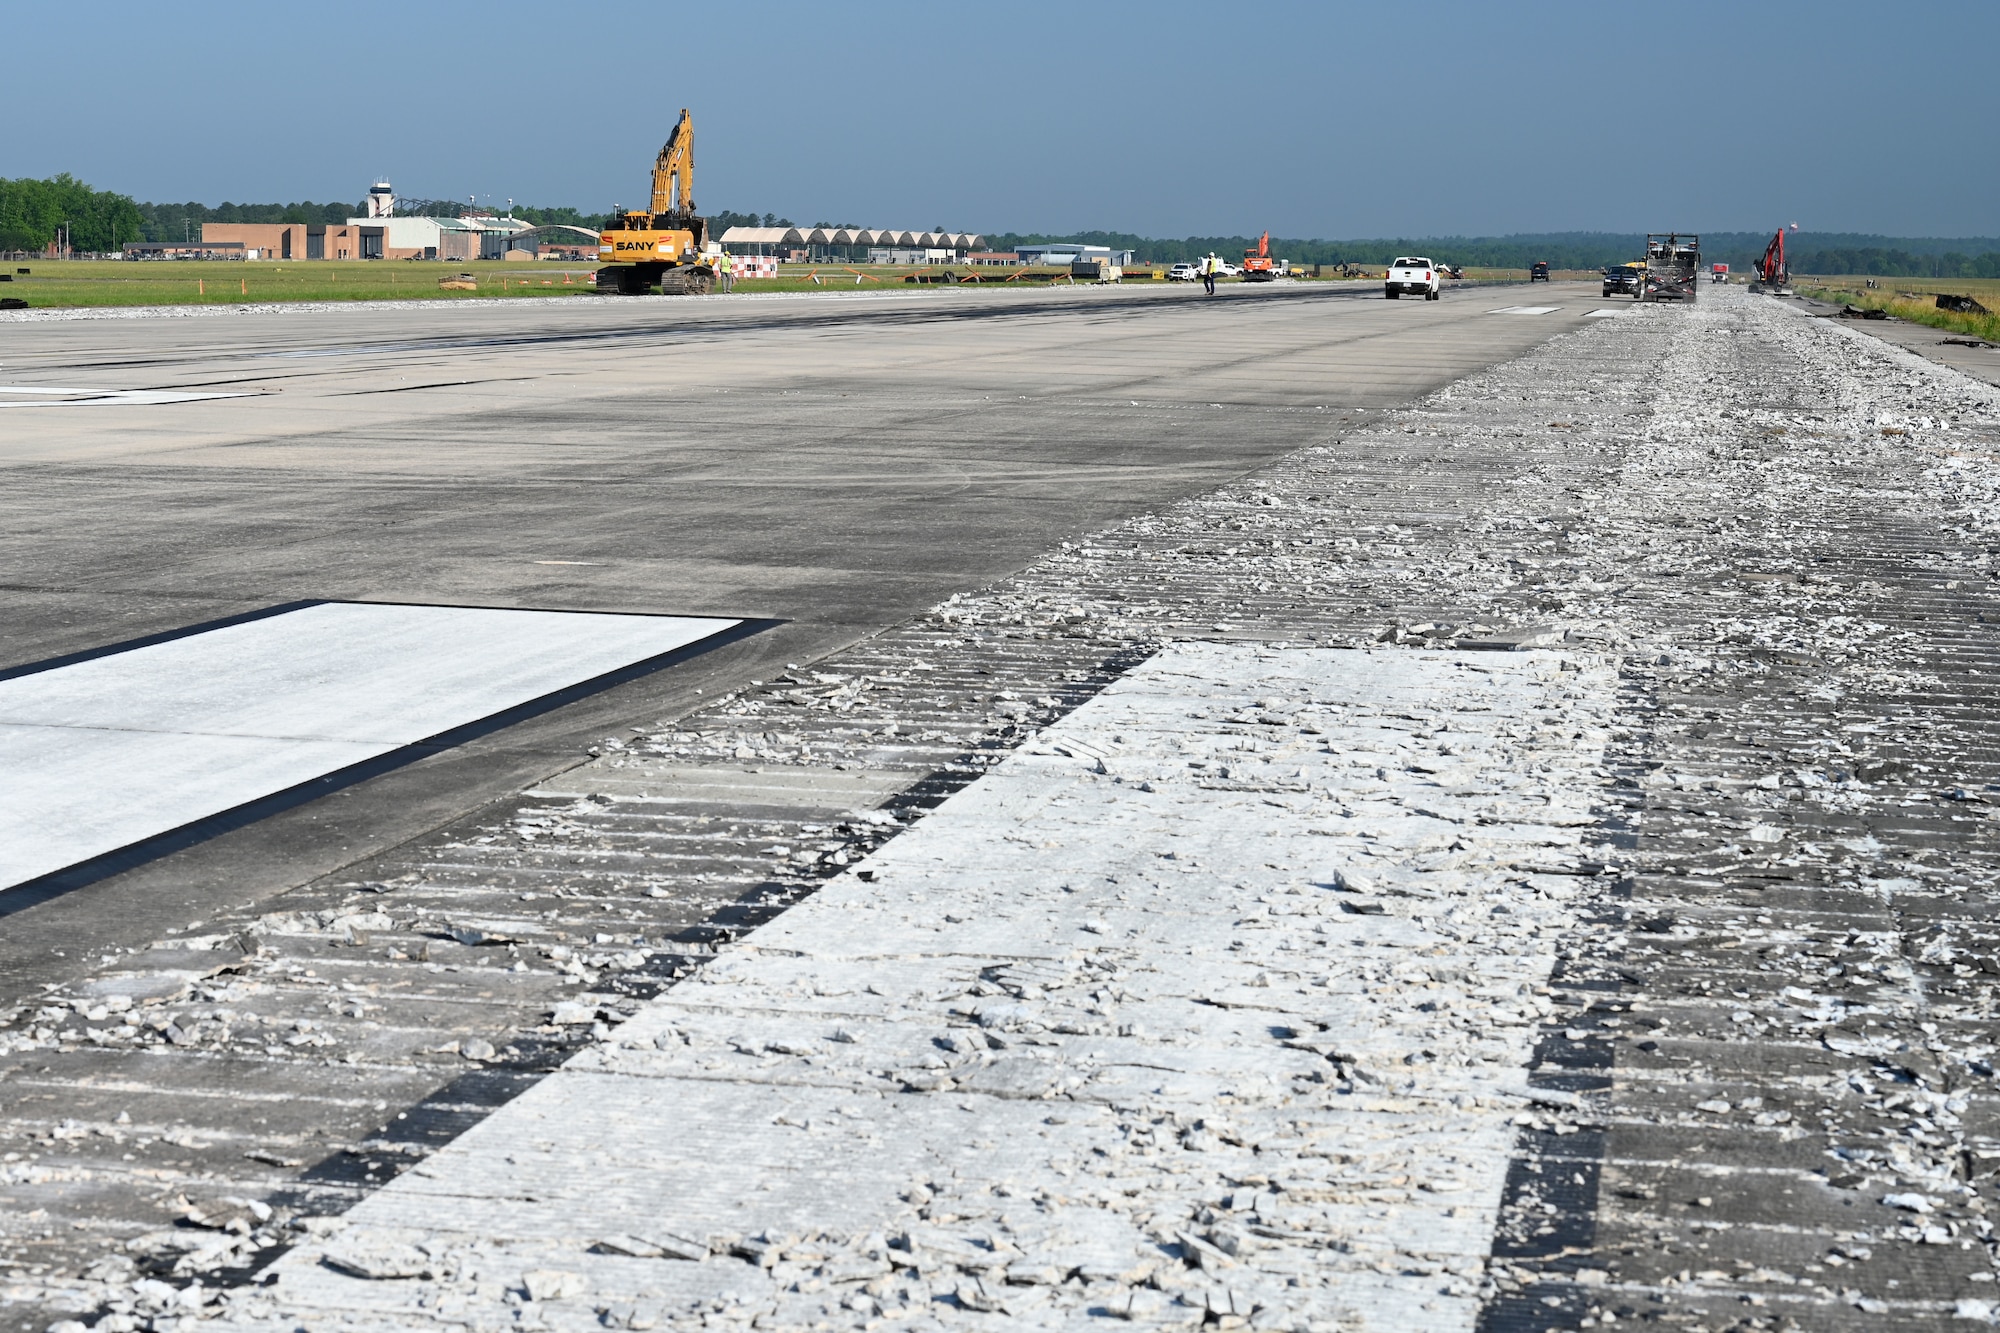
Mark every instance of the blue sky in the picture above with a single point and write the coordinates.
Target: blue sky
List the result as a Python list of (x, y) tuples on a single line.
[(1333, 120)]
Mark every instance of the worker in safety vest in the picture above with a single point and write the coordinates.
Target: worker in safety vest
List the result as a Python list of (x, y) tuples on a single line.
[(1208, 266)]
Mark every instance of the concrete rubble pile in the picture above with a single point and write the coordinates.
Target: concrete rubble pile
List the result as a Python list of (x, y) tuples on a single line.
[(1726, 1064)]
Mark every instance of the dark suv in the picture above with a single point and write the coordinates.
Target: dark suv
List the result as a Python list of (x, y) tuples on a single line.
[(1539, 272), (1621, 280)]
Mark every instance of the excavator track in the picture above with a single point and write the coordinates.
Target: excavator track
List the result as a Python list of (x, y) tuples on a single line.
[(687, 282)]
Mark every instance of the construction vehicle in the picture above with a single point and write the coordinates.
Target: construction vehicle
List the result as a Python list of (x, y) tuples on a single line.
[(1774, 272), (667, 246), (1673, 264), (1257, 266)]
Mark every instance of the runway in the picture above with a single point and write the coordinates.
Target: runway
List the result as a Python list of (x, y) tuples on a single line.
[(831, 463), (293, 996)]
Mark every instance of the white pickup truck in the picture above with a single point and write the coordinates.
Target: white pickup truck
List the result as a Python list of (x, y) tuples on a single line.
[(1412, 276)]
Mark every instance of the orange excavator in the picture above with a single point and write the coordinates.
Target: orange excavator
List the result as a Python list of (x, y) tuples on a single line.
[(1257, 263)]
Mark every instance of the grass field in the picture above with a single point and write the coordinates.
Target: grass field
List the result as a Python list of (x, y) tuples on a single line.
[(1914, 299), (115, 282), (71, 284), (57, 284)]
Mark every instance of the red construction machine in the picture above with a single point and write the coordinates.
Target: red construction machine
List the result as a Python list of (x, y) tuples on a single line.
[(1774, 275), (1257, 266)]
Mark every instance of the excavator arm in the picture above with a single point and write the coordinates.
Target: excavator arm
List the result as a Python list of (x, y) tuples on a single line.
[(673, 170), (1771, 268)]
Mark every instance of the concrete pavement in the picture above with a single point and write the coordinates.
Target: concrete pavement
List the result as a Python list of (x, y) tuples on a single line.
[(894, 452), (836, 464), (1962, 354), (1758, 1091)]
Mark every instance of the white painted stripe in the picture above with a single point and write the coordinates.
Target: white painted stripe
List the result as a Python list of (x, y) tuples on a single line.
[(105, 753), (1605, 314), (1079, 1008), (1525, 310), (112, 397)]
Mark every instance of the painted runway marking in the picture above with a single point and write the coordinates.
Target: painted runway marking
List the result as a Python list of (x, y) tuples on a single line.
[(41, 396), (1525, 310), (101, 754), (1604, 314)]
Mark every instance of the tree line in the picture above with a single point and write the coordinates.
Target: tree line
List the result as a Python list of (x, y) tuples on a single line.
[(31, 211), (1876, 263), (182, 222), (1575, 250)]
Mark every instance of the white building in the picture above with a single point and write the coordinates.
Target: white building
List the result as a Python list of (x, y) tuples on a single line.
[(476, 237), (1070, 252), (916, 247)]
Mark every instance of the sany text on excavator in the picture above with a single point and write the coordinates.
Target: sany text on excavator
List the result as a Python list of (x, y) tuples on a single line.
[(1257, 263), (666, 247), (1773, 271)]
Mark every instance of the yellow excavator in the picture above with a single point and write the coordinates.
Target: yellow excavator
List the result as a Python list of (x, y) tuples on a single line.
[(666, 247)]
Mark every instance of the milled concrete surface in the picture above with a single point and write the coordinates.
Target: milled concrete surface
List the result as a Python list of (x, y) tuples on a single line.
[(1763, 1086), (840, 463), (1080, 1016)]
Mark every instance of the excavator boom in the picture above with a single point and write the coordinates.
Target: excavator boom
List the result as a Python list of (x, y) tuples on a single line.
[(1771, 267), (1257, 265), (673, 170)]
